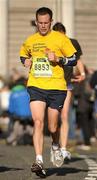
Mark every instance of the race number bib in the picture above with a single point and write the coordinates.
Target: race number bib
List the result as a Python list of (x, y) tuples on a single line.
[(41, 67)]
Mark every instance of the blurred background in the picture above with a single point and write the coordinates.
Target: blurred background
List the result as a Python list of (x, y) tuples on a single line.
[(17, 22), (16, 17)]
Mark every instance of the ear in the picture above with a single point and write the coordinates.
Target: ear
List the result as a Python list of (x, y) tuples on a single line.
[(35, 22), (51, 21)]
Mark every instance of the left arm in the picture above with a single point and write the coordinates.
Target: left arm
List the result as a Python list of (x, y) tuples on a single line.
[(81, 69), (64, 61), (68, 52), (68, 61)]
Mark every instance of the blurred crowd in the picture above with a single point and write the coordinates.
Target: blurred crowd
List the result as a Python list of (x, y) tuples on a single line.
[(83, 116), (16, 124)]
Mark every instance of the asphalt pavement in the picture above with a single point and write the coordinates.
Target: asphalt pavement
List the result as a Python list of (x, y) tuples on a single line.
[(15, 163)]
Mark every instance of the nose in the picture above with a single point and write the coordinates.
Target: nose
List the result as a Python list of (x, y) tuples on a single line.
[(43, 25)]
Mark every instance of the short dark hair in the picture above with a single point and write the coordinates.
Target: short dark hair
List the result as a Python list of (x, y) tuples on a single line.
[(43, 11), (59, 27)]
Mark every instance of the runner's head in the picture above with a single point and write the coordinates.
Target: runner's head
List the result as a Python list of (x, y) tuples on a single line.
[(59, 27), (44, 20)]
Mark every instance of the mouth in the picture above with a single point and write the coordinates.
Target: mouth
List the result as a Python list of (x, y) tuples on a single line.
[(43, 30)]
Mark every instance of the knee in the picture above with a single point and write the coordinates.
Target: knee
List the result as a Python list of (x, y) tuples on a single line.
[(52, 128), (38, 124)]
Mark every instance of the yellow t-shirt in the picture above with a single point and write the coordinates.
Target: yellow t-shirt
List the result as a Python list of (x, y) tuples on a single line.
[(44, 74)]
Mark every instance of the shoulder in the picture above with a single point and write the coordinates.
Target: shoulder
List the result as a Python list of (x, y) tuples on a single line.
[(31, 37), (76, 45), (58, 34), (75, 41)]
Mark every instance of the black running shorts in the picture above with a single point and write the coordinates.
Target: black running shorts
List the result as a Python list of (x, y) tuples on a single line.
[(53, 98)]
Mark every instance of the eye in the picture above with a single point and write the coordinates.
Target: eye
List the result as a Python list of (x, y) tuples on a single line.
[(46, 22)]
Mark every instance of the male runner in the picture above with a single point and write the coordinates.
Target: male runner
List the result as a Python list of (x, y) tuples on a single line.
[(68, 77), (44, 53)]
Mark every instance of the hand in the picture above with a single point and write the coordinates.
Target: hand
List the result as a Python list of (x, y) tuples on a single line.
[(28, 63), (51, 55), (78, 78)]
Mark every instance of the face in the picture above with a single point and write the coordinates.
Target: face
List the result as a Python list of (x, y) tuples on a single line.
[(43, 23)]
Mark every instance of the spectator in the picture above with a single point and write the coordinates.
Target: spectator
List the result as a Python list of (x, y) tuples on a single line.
[(20, 113), (93, 84), (84, 111), (4, 103)]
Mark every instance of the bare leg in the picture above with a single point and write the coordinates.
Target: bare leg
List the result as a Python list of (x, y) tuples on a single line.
[(64, 118), (53, 124), (38, 111), (55, 154)]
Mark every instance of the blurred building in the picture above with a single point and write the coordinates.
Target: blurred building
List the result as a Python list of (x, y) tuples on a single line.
[(79, 17)]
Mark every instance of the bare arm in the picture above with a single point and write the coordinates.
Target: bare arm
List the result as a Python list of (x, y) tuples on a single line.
[(81, 69), (27, 62)]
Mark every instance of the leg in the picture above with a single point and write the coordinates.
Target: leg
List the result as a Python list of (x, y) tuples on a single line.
[(85, 127), (53, 124), (65, 126), (92, 124), (38, 111), (56, 156), (17, 132), (64, 118), (55, 102)]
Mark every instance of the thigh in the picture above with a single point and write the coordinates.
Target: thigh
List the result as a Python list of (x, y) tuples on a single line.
[(53, 115), (66, 106), (37, 110), (37, 103), (55, 104)]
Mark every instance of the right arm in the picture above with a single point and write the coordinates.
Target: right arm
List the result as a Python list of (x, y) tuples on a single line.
[(25, 55), (26, 62)]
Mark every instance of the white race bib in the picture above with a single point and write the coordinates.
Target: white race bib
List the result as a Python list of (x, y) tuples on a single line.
[(41, 67)]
